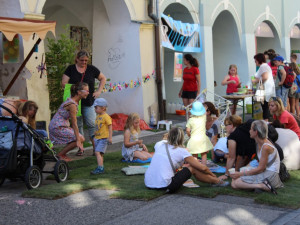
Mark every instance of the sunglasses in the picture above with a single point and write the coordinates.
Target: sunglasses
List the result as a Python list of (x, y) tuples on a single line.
[(277, 99), (86, 91)]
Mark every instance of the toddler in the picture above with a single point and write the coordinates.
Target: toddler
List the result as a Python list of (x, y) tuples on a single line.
[(195, 128), (103, 133), (133, 148)]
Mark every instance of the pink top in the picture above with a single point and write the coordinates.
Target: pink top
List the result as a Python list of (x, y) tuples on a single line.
[(232, 87), (289, 121)]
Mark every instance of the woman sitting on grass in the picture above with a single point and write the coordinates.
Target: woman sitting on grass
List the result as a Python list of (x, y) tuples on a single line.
[(266, 176), (240, 146), (169, 156)]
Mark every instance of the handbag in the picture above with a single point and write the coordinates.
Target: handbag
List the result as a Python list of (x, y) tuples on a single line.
[(294, 88), (260, 92), (67, 94), (284, 174)]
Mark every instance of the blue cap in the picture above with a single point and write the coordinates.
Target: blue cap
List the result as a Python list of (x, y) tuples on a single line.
[(278, 58), (198, 109), (100, 102)]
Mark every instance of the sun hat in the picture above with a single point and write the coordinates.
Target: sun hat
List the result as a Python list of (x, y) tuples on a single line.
[(100, 102), (198, 109), (278, 58)]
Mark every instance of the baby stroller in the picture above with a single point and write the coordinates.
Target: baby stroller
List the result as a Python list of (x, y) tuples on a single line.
[(24, 153)]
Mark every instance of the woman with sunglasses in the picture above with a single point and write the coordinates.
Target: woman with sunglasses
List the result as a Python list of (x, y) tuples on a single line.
[(60, 131), (240, 146), (82, 72), (278, 111)]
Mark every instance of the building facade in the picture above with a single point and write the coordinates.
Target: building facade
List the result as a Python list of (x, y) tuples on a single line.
[(122, 41)]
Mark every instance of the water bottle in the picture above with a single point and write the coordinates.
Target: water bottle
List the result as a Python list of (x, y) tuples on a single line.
[(173, 108), (169, 107)]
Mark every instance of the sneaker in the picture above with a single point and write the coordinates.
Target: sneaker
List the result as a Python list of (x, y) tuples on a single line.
[(221, 184), (98, 170)]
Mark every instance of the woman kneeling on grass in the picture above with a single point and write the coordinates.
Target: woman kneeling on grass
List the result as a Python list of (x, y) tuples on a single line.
[(169, 156), (266, 176)]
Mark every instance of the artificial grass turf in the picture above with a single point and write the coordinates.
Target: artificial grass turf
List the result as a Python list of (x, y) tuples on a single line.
[(132, 187)]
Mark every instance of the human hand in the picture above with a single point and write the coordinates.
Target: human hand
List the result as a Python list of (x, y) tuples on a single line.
[(109, 141), (235, 175), (79, 145), (96, 94), (231, 82), (223, 177), (144, 148), (139, 142), (179, 94)]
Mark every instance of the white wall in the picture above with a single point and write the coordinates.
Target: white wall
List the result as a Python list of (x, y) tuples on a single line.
[(115, 36), (295, 44), (227, 50), (177, 12)]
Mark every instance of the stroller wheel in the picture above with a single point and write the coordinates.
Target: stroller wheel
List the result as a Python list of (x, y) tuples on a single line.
[(61, 171), (33, 177), (2, 179)]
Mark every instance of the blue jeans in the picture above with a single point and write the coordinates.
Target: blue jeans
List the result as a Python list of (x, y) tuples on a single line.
[(88, 117), (282, 93)]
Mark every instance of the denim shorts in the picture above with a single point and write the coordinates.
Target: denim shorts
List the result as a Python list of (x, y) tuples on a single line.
[(100, 145), (282, 93), (88, 117)]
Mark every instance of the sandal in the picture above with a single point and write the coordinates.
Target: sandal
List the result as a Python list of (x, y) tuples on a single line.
[(269, 186), (80, 152)]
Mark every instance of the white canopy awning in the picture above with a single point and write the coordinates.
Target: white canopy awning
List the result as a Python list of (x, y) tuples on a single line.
[(12, 26)]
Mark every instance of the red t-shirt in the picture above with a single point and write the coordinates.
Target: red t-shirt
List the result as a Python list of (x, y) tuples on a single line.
[(232, 87), (189, 79), (289, 121)]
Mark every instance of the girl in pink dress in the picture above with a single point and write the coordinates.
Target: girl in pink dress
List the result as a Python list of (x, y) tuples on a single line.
[(60, 131)]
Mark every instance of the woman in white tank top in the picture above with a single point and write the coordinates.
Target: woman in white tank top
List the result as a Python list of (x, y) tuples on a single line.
[(266, 176)]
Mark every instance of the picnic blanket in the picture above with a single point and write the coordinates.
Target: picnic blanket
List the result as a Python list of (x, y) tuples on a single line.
[(134, 170), (137, 161)]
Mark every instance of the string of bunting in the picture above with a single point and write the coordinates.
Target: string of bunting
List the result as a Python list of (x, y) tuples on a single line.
[(111, 87)]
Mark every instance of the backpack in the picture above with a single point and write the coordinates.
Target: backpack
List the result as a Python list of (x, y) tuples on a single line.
[(289, 79)]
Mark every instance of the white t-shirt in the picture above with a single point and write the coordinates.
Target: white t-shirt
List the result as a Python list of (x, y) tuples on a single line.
[(269, 83), (222, 145), (290, 144), (160, 173)]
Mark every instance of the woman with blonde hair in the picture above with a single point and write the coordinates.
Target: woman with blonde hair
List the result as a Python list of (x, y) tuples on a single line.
[(278, 111), (266, 176), (133, 148), (169, 156)]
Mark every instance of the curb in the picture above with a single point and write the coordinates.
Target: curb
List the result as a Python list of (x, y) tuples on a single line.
[(288, 218)]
